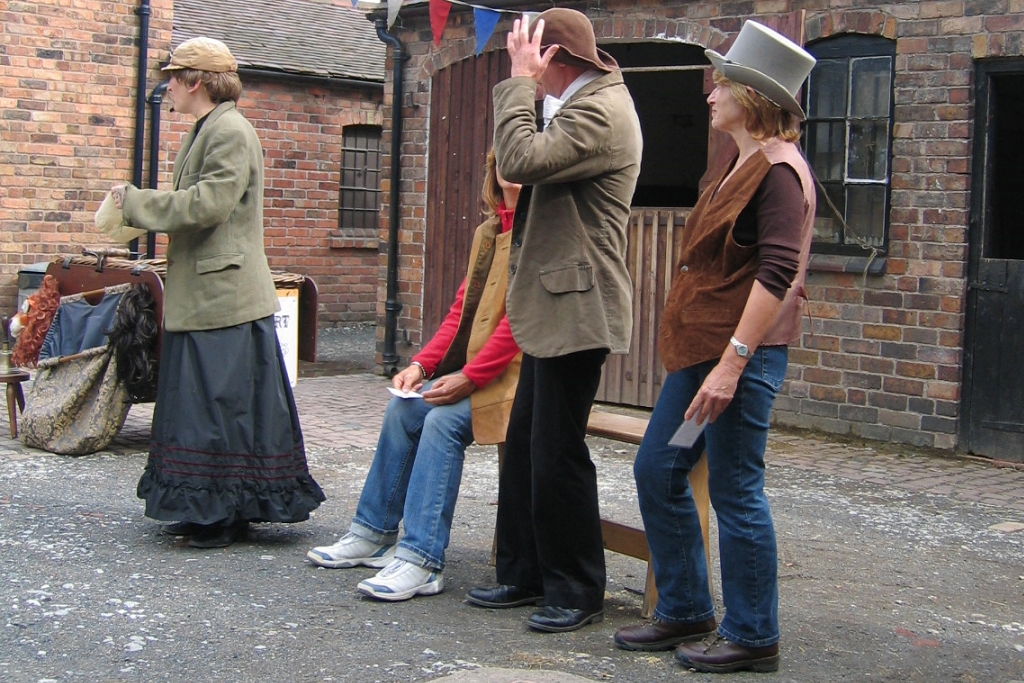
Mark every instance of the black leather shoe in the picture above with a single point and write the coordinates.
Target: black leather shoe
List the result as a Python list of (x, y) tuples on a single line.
[(502, 596), (561, 619), (220, 536), (721, 656), (661, 635), (182, 529)]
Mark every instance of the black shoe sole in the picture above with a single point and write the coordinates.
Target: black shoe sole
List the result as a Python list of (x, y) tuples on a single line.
[(222, 539), (521, 602), (661, 645), (759, 665), (181, 529), (591, 619)]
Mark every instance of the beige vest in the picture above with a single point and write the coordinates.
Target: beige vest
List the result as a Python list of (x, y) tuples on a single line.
[(483, 307)]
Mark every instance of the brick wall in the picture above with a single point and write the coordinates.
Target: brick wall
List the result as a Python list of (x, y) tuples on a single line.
[(300, 128), (67, 103), (67, 87), (882, 357)]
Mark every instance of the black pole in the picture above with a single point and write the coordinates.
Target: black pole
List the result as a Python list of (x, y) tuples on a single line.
[(391, 304), (140, 101), (155, 99)]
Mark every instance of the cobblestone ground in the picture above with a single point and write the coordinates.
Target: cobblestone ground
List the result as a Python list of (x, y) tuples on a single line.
[(895, 565)]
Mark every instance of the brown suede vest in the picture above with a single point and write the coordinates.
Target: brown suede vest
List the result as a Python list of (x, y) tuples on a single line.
[(714, 274), (483, 307)]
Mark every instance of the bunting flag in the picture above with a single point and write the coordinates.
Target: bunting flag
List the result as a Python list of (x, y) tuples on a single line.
[(354, 3), (485, 18), (439, 10), (485, 21)]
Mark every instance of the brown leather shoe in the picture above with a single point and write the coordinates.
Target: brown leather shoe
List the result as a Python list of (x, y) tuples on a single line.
[(661, 635), (721, 656)]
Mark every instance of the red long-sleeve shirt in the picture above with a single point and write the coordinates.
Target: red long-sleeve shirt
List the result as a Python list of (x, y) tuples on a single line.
[(496, 353)]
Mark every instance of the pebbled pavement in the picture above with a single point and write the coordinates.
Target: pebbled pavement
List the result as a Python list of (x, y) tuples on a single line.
[(895, 565)]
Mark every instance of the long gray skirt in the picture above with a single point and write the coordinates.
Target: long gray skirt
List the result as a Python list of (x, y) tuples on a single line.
[(226, 444)]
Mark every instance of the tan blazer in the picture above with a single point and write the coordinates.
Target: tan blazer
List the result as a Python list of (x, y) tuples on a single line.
[(217, 271), (569, 289)]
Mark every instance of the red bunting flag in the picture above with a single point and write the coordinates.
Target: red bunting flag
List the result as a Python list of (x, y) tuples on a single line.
[(438, 18)]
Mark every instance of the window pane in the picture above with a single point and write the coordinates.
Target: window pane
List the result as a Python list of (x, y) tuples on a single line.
[(826, 145), (869, 150), (827, 228), (866, 214), (827, 89), (360, 177), (870, 86)]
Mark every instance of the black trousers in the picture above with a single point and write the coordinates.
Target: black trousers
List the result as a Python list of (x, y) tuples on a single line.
[(549, 527)]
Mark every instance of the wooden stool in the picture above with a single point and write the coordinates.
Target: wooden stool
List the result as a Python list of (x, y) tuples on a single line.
[(15, 397)]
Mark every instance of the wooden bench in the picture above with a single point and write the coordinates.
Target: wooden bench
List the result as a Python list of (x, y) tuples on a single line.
[(628, 540), (632, 541)]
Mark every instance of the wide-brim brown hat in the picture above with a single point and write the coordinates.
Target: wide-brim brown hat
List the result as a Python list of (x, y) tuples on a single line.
[(202, 54), (573, 33), (770, 63)]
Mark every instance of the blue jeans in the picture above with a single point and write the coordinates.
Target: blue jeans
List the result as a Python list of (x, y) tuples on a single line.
[(735, 446), (415, 475)]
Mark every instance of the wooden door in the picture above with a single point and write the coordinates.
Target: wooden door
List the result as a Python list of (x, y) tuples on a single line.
[(461, 132), (993, 389)]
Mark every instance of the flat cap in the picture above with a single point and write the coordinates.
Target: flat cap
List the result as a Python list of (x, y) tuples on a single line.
[(202, 54)]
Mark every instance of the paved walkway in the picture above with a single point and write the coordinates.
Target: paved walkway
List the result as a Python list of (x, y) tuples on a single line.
[(346, 410), (341, 417)]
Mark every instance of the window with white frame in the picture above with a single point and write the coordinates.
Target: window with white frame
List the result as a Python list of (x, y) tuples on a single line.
[(848, 140)]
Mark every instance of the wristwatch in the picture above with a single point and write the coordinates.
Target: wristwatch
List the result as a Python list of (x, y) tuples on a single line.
[(742, 350)]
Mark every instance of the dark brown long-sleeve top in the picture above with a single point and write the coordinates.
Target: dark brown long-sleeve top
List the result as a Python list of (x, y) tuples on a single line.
[(768, 222)]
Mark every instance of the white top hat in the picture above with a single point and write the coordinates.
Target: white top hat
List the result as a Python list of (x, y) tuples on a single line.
[(768, 62)]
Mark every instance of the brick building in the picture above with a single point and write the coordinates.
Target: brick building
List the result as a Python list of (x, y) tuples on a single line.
[(915, 112), (313, 86)]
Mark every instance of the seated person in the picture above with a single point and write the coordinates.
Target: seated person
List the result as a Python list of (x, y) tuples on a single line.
[(417, 469)]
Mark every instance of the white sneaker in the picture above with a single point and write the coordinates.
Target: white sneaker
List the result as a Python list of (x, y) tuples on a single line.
[(402, 580), (352, 551)]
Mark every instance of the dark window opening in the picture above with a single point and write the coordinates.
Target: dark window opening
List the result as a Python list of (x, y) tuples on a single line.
[(1005, 146), (359, 200), (848, 141), (666, 82)]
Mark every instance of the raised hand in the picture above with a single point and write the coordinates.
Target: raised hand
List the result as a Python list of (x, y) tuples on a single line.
[(527, 59)]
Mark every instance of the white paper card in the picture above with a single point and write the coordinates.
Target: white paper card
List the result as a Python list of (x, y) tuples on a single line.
[(404, 394), (687, 433)]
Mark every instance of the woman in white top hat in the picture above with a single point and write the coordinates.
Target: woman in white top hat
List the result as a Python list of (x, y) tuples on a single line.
[(734, 306)]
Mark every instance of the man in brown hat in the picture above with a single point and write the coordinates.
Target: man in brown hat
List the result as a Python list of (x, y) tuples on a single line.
[(568, 304)]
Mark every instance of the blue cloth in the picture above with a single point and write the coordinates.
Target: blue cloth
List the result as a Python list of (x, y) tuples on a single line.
[(79, 326), (735, 445), (415, 476)]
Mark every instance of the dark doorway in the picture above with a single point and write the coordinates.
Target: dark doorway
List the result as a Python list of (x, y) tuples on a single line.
[(665, 80), (993, 424)]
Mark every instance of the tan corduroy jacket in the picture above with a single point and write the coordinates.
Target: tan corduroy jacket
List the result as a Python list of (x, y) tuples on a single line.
[(569, 289), (217, 271)]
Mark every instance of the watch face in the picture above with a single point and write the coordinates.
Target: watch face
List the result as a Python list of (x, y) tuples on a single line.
[(741, 349)]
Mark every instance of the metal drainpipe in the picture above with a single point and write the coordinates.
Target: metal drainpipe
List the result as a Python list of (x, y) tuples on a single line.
[(391, 304), (155, 99), (140, 101)]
